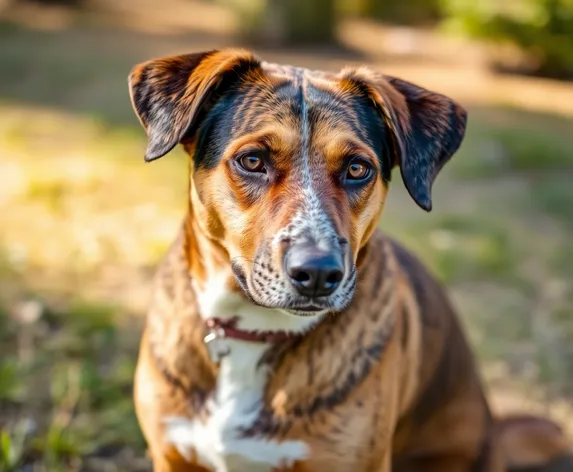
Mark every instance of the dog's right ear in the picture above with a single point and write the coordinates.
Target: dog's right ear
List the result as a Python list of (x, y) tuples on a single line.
[(170, 95)]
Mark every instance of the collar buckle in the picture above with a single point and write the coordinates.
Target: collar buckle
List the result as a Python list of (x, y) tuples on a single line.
[(217, 347)]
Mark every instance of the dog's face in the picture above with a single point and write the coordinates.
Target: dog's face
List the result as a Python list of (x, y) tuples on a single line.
[(290, 167)]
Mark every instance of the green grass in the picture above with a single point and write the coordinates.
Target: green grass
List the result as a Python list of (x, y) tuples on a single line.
[(72, 371), (554, 196), (495, 147), (84, 222), (467, 248)]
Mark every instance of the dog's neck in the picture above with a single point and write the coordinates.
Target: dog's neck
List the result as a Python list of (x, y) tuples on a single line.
[(206, 257)]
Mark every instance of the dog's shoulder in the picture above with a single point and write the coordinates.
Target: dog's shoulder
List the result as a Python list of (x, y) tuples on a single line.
[(435, 308), (449, 388), (427, 290), (449, 367)]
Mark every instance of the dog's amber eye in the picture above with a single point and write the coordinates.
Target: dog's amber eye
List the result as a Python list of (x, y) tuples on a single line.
[(252, 163), (357, 171)]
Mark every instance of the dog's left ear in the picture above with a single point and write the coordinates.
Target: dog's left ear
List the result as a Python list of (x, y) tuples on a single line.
[(427, 128), (172, 94)]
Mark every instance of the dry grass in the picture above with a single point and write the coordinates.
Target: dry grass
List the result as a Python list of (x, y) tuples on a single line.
[(84, 221)]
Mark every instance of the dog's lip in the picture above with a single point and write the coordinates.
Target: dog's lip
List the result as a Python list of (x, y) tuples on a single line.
[(296, 309), (307, 308), (310, 307)]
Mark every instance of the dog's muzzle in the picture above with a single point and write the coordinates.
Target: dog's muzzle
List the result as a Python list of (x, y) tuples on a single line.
[(313, 271)]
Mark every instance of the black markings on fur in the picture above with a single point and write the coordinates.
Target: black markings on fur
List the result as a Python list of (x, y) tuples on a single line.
[(435, 135), (363, 360), (405, 327), (196, 396)]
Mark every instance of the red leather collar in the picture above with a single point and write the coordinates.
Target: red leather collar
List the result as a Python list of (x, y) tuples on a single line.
[(229, 330)]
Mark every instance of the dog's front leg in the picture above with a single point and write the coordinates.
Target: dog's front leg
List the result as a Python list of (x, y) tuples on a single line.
[(386, 464), (168, 463)]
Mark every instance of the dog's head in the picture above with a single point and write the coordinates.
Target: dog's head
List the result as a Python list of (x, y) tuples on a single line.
[(290, 167)]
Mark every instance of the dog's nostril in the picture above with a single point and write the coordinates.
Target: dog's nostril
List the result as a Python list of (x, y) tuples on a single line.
[(300, 276), (334, 277)]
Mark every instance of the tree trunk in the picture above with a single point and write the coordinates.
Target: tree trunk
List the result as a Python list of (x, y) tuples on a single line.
[(285, 22)]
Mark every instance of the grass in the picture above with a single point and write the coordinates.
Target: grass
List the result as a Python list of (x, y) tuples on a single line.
[(65, 384), (494, 146), (84, 222), (555, 198)]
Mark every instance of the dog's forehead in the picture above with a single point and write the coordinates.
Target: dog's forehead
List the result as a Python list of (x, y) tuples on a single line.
[(294, 73), (302, 94), (322, 99), (314, 87)]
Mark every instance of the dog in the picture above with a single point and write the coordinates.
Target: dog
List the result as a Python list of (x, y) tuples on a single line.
[(285, 331)]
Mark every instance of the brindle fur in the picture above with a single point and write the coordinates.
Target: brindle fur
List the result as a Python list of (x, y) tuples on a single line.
[(388, 382)]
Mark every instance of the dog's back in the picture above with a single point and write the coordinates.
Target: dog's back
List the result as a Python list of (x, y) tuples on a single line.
[(523, 443)]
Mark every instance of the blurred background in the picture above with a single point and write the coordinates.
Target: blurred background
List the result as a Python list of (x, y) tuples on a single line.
[(83, 221)]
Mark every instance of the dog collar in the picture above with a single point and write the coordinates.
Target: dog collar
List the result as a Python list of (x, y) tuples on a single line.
[(219, 330)]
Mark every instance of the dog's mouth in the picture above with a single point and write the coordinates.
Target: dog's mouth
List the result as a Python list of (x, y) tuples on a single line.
[(307, 310), (241, 278), (297, 306)]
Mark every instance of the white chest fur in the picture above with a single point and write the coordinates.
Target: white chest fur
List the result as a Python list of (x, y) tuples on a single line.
[(237, 401), (218, 442)]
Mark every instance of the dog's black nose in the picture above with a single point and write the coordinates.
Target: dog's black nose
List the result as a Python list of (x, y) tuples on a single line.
[(313, 271)]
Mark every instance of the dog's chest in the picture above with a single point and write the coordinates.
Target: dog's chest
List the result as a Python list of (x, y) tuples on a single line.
[(219, 443)]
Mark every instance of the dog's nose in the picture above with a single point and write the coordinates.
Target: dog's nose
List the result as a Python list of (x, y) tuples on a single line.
[(313, 271)]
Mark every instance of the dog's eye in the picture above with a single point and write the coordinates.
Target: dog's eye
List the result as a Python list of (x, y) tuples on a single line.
[(357, 171), (252, 163)]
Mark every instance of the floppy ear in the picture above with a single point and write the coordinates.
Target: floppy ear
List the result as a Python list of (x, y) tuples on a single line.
[(170, 95), (427, 128)]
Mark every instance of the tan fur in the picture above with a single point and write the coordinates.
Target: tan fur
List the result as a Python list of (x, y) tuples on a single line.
[(528, 441), (389, 382)]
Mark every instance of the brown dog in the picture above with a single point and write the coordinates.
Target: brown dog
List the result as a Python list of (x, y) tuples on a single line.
[(285, 331)]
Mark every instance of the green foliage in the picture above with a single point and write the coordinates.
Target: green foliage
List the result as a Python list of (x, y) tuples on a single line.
[(412, 12), (10, 387), (543, 28), (292, 22), (10, 452)]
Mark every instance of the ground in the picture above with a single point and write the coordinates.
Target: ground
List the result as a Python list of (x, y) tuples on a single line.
[(84, 221)]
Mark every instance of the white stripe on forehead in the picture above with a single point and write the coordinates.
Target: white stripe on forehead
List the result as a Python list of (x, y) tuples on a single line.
[(305, 135), (310, 220)]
